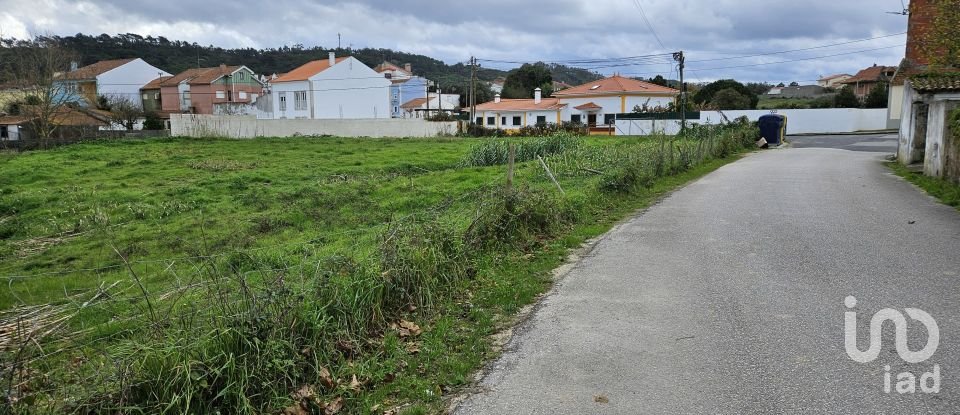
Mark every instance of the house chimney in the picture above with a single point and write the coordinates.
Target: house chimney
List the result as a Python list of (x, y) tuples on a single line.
[(73, 66), (333, 58), (496, 98), (408, 67), (537, 95), (223, 67)]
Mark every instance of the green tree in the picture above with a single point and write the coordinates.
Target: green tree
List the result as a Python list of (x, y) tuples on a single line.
[(878, 97), (846, 98), (758, 88), (730, 99), (152, 121), (705, 95), (659, 80), (522, 81)]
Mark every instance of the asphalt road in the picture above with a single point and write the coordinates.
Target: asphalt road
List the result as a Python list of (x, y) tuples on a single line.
[(728, 297), (884, 143)]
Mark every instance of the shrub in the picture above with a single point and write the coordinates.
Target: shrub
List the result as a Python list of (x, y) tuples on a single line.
[(519, 219)]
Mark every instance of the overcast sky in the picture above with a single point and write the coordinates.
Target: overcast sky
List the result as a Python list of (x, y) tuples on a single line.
[(512, 30)]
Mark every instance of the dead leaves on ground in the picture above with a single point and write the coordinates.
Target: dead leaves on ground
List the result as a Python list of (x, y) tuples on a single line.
[(406, 328)]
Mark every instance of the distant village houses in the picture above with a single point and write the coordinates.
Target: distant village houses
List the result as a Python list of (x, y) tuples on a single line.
[(593, 104), (118, 78)]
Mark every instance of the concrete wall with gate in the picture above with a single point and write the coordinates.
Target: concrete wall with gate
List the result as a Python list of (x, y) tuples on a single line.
[(249, 126)]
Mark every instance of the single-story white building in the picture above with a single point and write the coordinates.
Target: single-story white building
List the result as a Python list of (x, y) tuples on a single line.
[(593, 104)]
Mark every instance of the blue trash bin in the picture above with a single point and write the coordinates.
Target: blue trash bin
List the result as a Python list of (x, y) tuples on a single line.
[(773, 127)]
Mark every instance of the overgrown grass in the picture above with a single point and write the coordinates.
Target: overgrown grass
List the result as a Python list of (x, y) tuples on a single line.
[(946, 191), (495, 152), (373, 287)]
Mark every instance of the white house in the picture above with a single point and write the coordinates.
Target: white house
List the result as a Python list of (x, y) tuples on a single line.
[(334, 88), (593, 104), (112, 78)]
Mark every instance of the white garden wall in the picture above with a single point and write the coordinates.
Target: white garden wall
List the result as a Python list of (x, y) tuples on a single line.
[(814, 121), (250, 126)]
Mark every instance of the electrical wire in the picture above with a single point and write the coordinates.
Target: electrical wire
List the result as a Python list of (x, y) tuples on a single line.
[(647, 21)]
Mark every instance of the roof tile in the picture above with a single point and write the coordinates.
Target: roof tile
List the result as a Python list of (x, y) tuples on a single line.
[(305, 71), (615, 85)]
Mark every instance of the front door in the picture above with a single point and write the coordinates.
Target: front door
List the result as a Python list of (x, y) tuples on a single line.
[(592, 120)]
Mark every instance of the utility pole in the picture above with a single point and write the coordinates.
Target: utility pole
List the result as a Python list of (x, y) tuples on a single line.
[(473, 90), (678, 56), (338, 41)]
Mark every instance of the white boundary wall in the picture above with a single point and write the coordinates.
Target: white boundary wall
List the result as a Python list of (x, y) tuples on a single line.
[(188, 125), (814, 121), (806, 121)]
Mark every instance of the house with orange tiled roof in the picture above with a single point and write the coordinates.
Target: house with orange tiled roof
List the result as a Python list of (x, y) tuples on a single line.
[(214, 90), (332, 88), (865, 80), (594, 104), (112, 78)]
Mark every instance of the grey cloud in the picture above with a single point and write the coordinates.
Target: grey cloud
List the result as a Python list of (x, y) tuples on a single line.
[(507, 29)]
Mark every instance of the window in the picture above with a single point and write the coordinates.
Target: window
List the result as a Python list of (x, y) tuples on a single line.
[(609, 119), (156, 95), (300, 100), (242, 94), (541, 120), (479, 121), (396, 109), (575, 118), (4, 133), (145, 96), (491, 120), (221, 94), (517, 120), (503, 120), (283, 101)]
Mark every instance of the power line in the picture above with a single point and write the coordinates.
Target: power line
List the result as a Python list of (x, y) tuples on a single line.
[(799, 50), (649, 26), (798, 60)]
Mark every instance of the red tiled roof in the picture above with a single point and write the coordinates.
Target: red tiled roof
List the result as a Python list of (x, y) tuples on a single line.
[(212, 74), (305, 71), (616, 85), (546, 104), (156, 83), (872, 74), (936, 82), (414, 103), (589, 106), (14, 119), (183, 76), (387, 66), (94, 70)]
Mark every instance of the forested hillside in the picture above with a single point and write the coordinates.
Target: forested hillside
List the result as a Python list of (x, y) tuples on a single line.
[(175, 56)]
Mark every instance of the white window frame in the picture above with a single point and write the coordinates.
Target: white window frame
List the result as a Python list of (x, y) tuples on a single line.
[(221, 95), (300, 100), (242, 94), (282, 100)]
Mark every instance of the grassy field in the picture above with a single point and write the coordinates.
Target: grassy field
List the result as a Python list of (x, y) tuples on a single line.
[(295, 275)]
